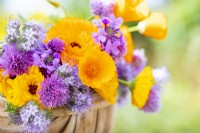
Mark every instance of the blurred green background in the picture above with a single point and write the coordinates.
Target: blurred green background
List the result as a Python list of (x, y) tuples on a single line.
[(180, 52)]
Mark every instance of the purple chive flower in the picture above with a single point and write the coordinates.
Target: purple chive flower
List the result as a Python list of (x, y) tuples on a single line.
[(161, 75), (34, 120), (56, 45), (44, 57), (13, 32), (69, 75), (102, 8), (110, 37), (80, 99), (54, 92), (153, 103), (33, 34), (15, 61), (138, 63)]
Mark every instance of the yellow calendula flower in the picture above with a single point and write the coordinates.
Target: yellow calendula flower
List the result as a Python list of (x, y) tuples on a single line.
[(131, 10), (130, 44), (97, 69), (25, 87), (77, 35), (154, 26), (141, 87)]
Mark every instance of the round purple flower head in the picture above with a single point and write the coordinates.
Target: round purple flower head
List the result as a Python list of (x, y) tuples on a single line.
[(44, 57), (110, 37), (153, 103), (80, 99), (54, 92), (102, 8), (15, 61), (56, 45)]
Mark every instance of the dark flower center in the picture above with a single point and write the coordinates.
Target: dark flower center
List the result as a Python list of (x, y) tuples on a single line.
[(48, 60), (74, 44), (33, 89)]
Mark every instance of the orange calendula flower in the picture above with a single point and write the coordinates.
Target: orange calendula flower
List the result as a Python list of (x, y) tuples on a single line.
[(131, 10), (154, 26), (141, 87), (77, 35), (97, 69), (130, 44)]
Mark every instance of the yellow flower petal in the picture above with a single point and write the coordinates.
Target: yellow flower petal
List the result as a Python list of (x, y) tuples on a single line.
[(142, 86), (131, 10), (154, 26), (130, 44), (24, 87), (109, 90)]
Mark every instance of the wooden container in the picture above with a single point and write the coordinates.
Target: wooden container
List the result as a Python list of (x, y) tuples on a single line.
[(98, 119)]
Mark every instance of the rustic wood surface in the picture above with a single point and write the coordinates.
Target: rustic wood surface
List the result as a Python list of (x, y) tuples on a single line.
[(98, 119)]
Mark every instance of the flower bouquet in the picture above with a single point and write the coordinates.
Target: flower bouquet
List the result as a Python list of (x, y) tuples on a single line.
[(78, 66)]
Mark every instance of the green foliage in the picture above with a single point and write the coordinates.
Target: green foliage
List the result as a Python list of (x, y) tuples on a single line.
[(11, 108)]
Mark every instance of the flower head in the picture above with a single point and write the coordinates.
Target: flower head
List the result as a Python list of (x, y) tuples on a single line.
[(153, 103), (70, 75), (94, 73), (32, 36), (34, 120), (76, 34), (15, 118), (110, 36), (56, 45), (131, 10), (154, 26), (54, 92), (44, 57), (141, 87), (15, 61), (79, 99), (102, 8), (24, 87), (13, 32)]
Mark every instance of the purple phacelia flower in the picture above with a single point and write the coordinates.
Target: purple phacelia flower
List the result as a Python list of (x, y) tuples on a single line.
[(102, 8), (33, 119), (80, 99), (15, 61), (56, 45), (123, 92), (13, 32), (44, 57), (110, 37), (32, 36), (54, 92), (153, 103), (69, 75)]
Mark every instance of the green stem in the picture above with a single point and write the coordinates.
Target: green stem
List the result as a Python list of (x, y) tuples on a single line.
[(124, 82), (90, 18), (64, 10), (133, 29)]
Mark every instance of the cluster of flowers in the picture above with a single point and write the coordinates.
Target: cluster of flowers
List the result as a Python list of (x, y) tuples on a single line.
[(64, 66)]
